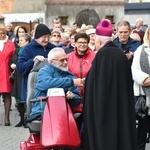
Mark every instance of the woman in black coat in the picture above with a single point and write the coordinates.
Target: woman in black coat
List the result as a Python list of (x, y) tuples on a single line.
[(24, 39)]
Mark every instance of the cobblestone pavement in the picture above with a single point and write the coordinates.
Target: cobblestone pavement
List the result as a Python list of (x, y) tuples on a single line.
[(11, 136)]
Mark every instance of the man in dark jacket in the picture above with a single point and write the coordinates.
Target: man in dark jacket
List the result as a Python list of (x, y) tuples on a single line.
[(124, 41)]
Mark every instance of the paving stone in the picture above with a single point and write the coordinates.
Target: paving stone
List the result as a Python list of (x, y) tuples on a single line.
[(10, 137)]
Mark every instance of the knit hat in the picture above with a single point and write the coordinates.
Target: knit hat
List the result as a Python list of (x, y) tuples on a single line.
[(139, 33), (104, 28), (41, 30)]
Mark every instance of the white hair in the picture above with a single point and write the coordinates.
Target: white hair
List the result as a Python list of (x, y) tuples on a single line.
[(52, 53), (8, 23), (139, 19), (104, 38), (65, 35)]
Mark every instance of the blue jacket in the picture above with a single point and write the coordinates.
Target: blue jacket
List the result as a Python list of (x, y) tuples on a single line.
[(52, 77), (25, 61), (132, 45)]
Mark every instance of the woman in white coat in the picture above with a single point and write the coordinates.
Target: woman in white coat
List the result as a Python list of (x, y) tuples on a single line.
[(141, 77)]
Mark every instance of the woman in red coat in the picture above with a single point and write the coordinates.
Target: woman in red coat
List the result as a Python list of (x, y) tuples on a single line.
[(80, 60), (7, 49)]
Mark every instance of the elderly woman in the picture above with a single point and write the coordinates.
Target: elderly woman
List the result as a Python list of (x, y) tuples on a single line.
[(7, 49), (141, 77), (80, 61), (91, 34), (24, 39), (81, 58), (55, 37)]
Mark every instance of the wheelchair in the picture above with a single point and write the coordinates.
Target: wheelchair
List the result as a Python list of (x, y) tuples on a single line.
[(57, 129)]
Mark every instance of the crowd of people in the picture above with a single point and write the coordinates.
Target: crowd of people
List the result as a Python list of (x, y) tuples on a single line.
[(106, 66)]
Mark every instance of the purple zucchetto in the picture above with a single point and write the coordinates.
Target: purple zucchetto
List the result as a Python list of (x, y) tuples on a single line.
[(104, 28)]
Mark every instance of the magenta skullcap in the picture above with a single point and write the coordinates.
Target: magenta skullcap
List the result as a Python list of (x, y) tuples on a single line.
[(104, 28)]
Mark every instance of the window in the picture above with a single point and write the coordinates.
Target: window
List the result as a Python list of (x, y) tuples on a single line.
[(64, 20), (111, 18)]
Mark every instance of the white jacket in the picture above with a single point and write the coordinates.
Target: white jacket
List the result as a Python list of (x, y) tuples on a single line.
[(138, 75)]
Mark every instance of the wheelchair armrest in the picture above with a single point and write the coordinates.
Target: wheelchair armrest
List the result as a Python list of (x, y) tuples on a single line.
[(79, 108), (78, 98), (75, 98), (39, 99)]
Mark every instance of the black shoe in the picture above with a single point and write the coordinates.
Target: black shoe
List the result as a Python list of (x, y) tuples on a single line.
[(25, 125), (20, 124), (7, 124)]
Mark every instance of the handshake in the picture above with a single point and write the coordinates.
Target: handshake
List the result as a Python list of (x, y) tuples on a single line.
[(79, 81)]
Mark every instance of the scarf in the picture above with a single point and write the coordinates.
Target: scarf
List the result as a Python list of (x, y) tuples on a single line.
[(145, 67), (2, 43)]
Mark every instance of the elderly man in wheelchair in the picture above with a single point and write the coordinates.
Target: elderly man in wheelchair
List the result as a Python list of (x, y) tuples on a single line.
[(53, 75)]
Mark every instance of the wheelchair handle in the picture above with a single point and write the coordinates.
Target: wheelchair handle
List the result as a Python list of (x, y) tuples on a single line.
[(38, 99), (45, 98)]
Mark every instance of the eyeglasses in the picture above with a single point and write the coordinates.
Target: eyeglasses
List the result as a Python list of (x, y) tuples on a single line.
[(62, 59), (82, 43), (2, 33), (56, 35), (21, 31)]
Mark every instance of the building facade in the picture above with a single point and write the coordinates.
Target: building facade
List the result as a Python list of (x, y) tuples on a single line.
[(45, 11), (74, 10), (137, 10)]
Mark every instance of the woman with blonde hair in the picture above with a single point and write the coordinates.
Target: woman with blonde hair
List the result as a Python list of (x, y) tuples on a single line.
[(7, 49), (141, 77)]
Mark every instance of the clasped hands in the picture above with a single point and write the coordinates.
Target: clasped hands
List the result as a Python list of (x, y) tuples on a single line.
[(69, 95), (129, 55), (79, 81), (13, 66)]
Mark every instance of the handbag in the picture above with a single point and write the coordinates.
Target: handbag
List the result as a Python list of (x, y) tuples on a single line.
[(12, 77), (141, 109)]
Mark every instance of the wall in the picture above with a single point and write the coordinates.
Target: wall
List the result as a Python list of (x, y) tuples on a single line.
[(28, 6), (72, 11), (26, 9), (132, 18), (80, 1)]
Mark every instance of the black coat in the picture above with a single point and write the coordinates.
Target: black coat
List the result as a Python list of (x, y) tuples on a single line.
[(69, 49), (16, 87), (109, 116)]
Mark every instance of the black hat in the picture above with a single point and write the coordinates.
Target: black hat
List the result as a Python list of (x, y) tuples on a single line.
[(41, 30)]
